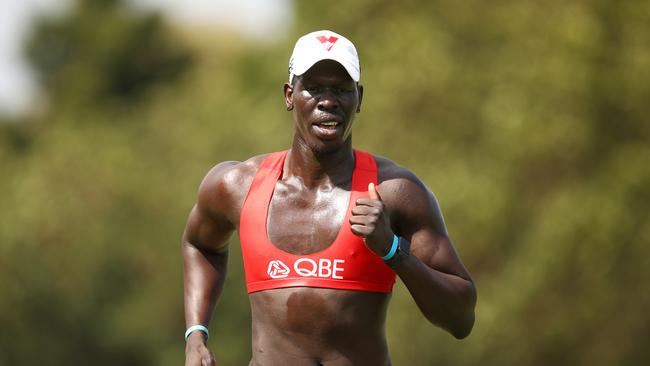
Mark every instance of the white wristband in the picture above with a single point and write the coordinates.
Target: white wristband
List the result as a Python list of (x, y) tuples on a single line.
[(193, 328)]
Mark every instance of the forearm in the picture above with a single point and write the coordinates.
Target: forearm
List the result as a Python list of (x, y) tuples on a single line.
[(446, 300), (204, 275)]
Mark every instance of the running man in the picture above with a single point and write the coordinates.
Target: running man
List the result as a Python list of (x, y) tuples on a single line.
[(324, 230)]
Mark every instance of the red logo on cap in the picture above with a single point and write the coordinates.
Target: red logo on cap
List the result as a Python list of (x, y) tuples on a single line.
[(327, 42)]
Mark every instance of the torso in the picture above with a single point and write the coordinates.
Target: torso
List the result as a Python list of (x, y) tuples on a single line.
[(304, 325)]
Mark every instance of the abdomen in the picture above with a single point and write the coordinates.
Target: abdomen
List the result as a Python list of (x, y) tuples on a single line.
[(314, 326)]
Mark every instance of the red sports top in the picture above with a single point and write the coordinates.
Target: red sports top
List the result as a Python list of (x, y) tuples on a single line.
[(346, 264)]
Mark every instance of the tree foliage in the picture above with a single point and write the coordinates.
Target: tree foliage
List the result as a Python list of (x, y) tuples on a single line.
[(101, 51)]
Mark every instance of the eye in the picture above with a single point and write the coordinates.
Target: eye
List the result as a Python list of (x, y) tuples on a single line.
[(345, 89)]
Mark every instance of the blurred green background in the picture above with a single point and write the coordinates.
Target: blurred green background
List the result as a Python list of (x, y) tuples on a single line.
[(529, 120)]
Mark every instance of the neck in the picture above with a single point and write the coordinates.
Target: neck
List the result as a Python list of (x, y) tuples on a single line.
[(315, 168)]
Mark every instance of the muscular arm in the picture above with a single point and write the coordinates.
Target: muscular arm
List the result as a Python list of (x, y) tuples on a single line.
[(204, 249), (434, 274)]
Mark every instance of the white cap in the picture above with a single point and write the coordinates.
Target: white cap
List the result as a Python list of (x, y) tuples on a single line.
[(324, 45)]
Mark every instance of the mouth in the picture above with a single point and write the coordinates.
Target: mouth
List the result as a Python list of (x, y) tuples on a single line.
[(328, 124), (327, 129)]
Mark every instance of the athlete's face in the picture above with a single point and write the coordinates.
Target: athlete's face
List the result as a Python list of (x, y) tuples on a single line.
[(324, 100)]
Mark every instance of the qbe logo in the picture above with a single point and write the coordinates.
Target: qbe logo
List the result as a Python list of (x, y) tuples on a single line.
[(277, 269), (307, 267)]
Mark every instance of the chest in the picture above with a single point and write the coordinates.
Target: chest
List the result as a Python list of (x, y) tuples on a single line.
[(304, 222)]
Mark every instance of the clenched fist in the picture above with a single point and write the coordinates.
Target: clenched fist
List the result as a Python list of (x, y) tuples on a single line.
[(370, 221)]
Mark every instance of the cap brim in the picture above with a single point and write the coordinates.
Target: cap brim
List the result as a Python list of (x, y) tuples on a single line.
[(352, 71)]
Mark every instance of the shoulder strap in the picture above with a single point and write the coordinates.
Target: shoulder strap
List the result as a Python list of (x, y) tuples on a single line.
[(365, 171), (274, 161), (264, 180)]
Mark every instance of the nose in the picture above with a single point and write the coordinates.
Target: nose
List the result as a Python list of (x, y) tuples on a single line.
[(328, 101)]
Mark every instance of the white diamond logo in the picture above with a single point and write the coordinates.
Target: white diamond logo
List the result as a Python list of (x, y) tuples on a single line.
[(277, 269)]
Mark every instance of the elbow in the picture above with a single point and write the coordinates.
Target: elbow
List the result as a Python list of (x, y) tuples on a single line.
[(464, 328), (456, 313), (459, 325), (466, 318)]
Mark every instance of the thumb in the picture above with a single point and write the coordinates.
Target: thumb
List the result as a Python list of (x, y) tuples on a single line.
[(372, 192)]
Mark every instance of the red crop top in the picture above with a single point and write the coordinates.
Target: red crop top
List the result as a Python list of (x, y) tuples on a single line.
[(346, 264)]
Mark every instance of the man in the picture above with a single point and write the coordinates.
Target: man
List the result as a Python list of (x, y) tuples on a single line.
[(324, 231)]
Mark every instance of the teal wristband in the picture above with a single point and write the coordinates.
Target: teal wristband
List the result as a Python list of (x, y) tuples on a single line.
[(194, 328), (393, 249)]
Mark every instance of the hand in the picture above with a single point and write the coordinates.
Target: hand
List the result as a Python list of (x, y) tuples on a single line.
[(370, 221), (196, 352)]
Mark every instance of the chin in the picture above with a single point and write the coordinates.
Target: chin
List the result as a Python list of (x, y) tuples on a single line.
[(324, 148), (322, 151)]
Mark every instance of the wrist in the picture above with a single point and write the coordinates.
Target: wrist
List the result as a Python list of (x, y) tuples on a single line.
[(197, 332), (196, 342), (197, 337), (402, 252), (392, 248)]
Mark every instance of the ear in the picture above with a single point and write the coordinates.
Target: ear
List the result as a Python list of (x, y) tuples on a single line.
[(288, 96), (360, 90)]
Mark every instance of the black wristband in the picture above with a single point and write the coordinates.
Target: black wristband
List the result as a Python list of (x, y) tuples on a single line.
[(403, 252)]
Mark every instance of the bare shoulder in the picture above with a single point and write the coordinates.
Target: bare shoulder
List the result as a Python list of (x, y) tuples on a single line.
[(224, 188), (398, 181), (407, 198)]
